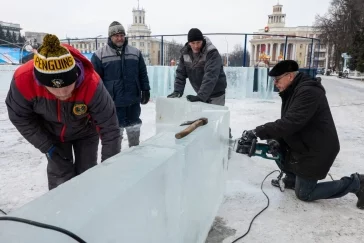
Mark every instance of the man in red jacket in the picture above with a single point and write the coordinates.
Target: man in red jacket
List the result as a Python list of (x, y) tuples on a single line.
[(58, 104)]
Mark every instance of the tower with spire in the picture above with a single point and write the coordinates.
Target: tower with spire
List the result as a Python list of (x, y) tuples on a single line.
[(277, 18), (139, 33)]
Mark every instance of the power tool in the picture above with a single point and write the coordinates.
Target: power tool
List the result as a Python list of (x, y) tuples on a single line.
[(270, 150), (251, 147)]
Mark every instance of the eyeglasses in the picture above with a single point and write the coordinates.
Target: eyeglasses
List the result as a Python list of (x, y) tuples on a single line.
[(276, 79)]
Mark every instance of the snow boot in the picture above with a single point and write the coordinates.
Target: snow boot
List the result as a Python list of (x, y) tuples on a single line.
[(133, 133), (288, 182), (360, 193)]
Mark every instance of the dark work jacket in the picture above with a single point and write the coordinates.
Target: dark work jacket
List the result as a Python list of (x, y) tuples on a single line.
[(306, 128), (123, 73), (206, 73)]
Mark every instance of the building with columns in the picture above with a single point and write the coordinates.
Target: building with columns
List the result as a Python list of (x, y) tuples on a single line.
[(268, 50), (13, 28), (139, 36)]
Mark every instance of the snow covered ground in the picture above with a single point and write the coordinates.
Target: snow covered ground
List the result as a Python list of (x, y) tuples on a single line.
[(23, 174)]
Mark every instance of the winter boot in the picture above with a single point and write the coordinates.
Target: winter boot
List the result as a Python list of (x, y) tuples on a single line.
[(360, 193), (133, 133), (287, 181)]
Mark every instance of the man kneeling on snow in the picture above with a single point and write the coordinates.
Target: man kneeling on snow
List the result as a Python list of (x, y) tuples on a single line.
[(59, 104), (307, 137)]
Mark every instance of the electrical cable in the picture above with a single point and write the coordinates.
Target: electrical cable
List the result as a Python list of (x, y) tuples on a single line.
[(45, 226), (251, 222)]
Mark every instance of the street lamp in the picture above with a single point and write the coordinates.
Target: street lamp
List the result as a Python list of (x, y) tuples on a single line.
[(227, 52), (96, 40)]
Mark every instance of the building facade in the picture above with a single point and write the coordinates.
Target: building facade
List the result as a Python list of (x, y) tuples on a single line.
[(268, 49), (34, 37), (12, 27), (139, 36)]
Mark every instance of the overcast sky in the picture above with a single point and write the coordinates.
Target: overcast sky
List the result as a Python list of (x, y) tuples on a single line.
[(90, 18)]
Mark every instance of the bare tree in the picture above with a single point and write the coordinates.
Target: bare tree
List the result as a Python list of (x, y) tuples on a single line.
[(174, 50), (340, 25), (236, 58)]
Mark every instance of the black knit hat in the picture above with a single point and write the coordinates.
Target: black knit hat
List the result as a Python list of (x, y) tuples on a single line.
[(54, 66), (116, 28), (282, 67), (194, 35)]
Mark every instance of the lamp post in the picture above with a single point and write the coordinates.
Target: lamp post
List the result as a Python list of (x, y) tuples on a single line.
[(227, 52), (96, 40)]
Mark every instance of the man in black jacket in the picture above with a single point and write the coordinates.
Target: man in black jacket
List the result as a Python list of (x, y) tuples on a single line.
[(307, 137), (201, 63)]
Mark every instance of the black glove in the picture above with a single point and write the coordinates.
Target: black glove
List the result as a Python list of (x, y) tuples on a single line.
[(145, 97), (55, 153), (175, 94), (193, 98), (274, 147), (249, 135)]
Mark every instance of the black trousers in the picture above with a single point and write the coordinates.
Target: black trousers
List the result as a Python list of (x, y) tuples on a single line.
[(85, 156)]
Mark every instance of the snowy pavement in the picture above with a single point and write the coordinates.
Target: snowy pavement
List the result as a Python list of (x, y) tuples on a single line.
[(23, 174)]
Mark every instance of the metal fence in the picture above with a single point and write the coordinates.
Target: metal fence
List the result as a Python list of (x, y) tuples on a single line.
[(257, 49)]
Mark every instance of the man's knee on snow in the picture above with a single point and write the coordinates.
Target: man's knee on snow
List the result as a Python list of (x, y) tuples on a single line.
[(302, 194)]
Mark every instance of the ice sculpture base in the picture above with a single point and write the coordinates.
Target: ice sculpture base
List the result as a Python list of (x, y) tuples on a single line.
[(165, 190)]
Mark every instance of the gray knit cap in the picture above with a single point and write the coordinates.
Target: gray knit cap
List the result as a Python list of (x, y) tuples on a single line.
[(116, 28)]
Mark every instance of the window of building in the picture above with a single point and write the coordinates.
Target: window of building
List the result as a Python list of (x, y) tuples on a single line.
[(143, 20), (133, 43), (301, 46), (140, 19), (136, 20), (142, 44)]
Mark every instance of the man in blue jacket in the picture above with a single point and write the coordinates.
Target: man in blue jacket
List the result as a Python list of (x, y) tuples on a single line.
[(124, 73)]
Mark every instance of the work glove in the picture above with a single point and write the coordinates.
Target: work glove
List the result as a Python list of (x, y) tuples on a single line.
[(274, 147), (175, 94), (145, 97), (56, 154), (193, 98)]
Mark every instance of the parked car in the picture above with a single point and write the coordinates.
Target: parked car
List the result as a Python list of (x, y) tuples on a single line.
[(320, 71)]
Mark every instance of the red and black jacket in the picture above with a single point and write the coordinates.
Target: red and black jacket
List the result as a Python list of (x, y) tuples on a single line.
[(44, 120)]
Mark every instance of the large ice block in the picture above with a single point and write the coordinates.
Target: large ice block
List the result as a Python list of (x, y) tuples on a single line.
[(240, 82), (164, 190)]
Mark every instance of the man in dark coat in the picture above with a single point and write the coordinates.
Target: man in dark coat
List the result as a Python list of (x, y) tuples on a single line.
[(124, 73), (201, 63), (307, 137)]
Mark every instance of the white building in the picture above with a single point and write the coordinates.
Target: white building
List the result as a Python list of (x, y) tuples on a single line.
[(12, 27), (139, 36), (34, 37), (271, 49)]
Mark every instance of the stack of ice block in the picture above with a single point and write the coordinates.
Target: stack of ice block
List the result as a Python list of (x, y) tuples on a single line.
[(240, 81), (165, 190)]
